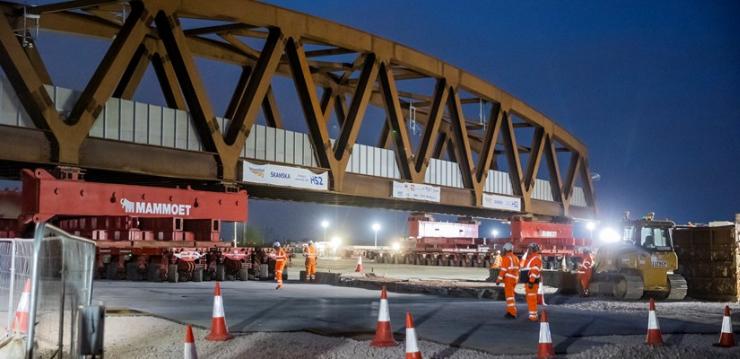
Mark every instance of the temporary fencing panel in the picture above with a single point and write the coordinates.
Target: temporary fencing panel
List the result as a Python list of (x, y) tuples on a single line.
[(59, 268), (15, 269)]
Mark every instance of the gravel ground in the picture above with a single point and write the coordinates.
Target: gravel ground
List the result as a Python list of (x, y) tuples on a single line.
[(680, 310), (159, 338), (150, 337)]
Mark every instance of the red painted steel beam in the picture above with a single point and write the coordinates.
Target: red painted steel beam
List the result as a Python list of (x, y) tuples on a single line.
[(45, 196)]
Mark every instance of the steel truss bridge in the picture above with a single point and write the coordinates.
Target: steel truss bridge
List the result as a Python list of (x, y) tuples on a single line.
[(337, 71)]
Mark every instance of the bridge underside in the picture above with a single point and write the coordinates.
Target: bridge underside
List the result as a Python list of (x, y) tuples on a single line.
[(113, 161), (337, 71)]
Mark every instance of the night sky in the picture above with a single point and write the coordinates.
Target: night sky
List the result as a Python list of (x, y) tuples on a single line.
[(651, 88)]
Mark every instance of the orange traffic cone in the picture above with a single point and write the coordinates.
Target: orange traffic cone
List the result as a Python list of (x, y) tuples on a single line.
[(359, 268), (412, 348), (541, 294), (545, 348), (726, 336), (219, 330), (189, 351), (383, 331), (654, 337), (20, 323)]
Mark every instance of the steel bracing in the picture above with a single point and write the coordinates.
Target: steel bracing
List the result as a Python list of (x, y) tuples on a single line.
[(312, 52)]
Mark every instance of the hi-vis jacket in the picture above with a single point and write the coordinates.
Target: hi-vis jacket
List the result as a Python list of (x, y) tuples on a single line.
[(534, 264), (588, 263), (310, 251), (509, 267), (280, 255)]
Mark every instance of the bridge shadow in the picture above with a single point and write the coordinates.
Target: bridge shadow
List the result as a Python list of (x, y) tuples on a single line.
[(457, 343), (563, 346), (259, 315), (420, 319)]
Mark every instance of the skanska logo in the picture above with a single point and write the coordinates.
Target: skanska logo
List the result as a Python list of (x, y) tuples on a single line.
[(282, 175), (155, 208)]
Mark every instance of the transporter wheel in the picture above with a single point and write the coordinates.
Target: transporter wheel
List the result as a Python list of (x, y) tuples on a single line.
[(198, 274), (220, 272), (110, 271), (153, 274), (132, 271), (243, 274), (172, 275)]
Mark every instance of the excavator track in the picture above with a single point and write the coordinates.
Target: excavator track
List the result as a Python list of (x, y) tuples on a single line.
[(628, 286), (679, 288)]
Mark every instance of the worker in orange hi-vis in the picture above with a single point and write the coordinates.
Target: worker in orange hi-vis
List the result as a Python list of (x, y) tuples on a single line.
[(311, 262), (509, 274), (534, 263), (585, 270), (280, 258), (495, 265)]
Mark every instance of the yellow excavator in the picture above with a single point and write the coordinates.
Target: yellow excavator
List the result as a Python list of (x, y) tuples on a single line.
[(641, 264)]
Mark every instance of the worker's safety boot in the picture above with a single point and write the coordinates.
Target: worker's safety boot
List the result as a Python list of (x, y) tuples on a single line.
[(509, 316)]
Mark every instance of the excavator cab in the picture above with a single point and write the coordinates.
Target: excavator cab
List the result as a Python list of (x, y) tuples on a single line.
[(651, 235)]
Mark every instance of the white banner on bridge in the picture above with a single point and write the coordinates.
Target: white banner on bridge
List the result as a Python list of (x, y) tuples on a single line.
[(420, 192), (505, 203), (285, 176)]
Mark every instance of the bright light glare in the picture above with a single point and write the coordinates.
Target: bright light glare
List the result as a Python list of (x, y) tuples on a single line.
[(609, 235), (396, 246), (590, 226), (376, 227), (335, 242), (324, 224), (494, 232)]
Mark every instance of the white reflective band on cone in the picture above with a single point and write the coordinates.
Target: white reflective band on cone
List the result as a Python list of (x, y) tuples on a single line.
[(652, 321), (545, 333), (218, 307), (23, 304), (411, 346), (726, 325), (383, 312), (190, 352)]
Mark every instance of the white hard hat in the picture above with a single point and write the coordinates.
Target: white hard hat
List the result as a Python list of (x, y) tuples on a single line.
[(276, 244), (508, 247), (310, 242)]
